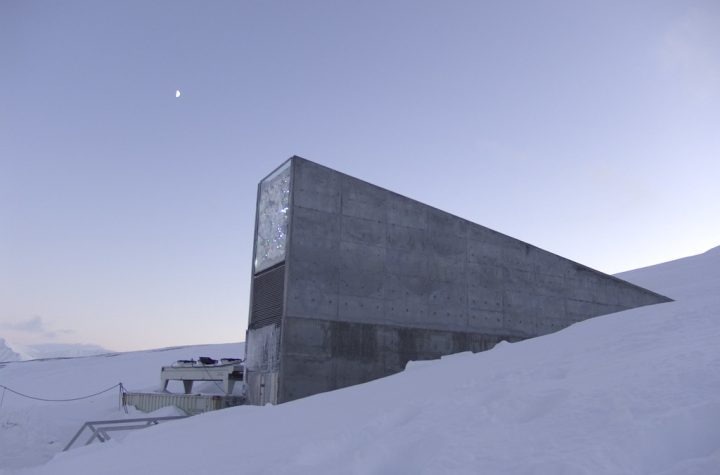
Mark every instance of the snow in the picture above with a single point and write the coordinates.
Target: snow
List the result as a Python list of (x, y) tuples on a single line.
[(682, 279), (61, 350), (31, 432), (7, 353), (15, 352), (636, 392)]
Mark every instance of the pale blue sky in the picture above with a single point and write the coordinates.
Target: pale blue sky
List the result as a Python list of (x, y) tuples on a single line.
[(591, 129)]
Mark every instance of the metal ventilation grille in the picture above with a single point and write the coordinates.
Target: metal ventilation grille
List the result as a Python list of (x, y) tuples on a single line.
[(267, 298)]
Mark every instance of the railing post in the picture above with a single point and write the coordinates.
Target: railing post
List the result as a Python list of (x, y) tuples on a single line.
[(76, 437), (100, 429)]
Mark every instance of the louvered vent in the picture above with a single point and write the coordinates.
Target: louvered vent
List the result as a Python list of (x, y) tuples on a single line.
[(268, 292)]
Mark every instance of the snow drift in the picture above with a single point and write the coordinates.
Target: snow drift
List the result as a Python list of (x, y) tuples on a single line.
[(636, 392), (7, 353)]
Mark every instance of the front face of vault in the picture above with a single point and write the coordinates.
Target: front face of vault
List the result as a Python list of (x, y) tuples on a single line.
[(272, 221), (273, 212), (370, 279)]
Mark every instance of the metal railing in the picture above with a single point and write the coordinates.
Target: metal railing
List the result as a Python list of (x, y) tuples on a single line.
[(100, 429)]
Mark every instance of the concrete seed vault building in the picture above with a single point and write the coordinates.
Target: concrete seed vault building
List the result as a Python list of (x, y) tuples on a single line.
[(351, 281)]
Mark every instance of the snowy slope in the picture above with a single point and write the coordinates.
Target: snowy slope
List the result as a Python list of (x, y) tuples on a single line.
[(63, 350), (7, 353), (636, 392), (31, 432), (683, 279)]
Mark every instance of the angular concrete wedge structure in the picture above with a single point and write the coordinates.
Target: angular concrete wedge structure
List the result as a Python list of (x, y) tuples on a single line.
[(351, 281)]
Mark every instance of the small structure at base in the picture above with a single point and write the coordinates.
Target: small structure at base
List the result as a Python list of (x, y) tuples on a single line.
[(228, 371)]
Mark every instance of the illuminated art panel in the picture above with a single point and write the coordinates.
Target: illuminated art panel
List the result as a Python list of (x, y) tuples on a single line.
[(273, 216)]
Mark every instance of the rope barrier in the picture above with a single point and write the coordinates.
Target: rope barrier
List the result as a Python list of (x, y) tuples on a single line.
[(60, 400)]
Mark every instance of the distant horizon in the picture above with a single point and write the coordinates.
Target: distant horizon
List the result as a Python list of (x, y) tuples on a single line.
[(10, 343)]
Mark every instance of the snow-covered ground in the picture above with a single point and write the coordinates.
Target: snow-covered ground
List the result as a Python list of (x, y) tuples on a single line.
[(31, 432), (636, 392)]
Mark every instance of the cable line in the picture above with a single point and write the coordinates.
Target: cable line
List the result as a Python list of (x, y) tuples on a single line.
[(61, 400)]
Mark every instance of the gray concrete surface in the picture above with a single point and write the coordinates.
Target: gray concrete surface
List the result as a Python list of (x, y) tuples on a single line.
[(375, 279)]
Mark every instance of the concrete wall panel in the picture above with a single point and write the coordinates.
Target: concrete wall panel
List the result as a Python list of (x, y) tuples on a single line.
[(440, 222), (362, 200), (305, 336), (406, 212), (451, 248), (363, 231), (362, 284), (305, 375), (398, 287), (406, 263), (361, 309), (311, 225), (315, 187), (407, 310), (482, 234), (406, 239), (356, 257), (484, 253), (444, 270), (488, 321), (481, 298), (306, 297), (488, 276), (442, 316), (448, 293)]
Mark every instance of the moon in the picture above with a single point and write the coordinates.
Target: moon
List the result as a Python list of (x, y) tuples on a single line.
[(177, 93)]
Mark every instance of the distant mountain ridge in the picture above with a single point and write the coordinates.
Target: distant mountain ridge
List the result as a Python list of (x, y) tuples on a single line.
[(47, 350)]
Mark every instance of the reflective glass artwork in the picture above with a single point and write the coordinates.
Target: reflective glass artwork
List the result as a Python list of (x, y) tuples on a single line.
[(273, 215)]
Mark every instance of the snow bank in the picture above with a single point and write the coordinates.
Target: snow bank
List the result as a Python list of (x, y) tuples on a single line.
[(7, 353), (31, 432)]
